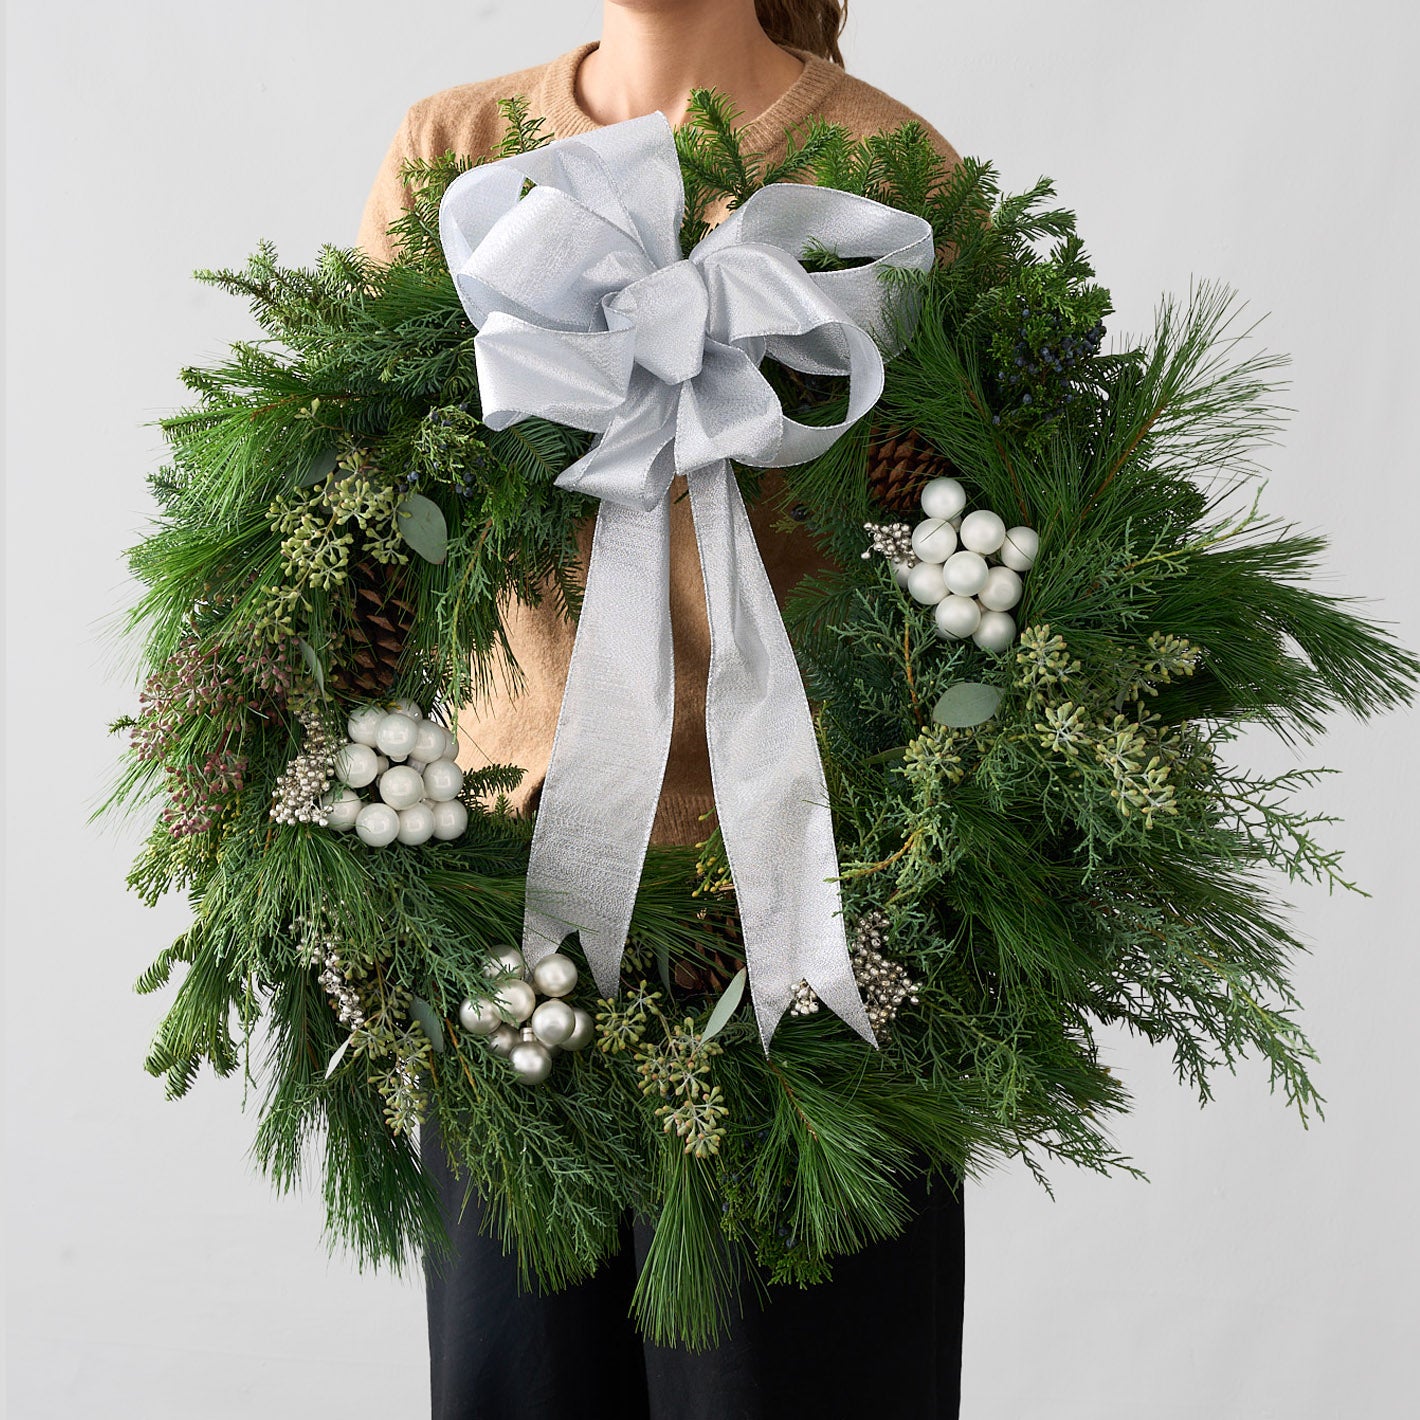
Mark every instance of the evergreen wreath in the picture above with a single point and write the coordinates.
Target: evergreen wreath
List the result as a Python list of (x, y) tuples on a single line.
[(1034, 839)]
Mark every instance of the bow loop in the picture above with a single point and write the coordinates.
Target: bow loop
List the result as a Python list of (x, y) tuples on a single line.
[(588, 314), (576, 378), (633, 466), (516, 271), (794, 215)]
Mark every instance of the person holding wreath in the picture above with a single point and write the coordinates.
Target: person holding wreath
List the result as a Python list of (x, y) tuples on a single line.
[(885, 1332)]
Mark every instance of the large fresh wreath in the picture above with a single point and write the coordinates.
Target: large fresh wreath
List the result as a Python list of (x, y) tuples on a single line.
[(1037, 825)]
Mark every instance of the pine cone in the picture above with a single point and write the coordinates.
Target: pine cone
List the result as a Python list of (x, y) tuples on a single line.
[(710, 973), (900, 462), (381, 625)]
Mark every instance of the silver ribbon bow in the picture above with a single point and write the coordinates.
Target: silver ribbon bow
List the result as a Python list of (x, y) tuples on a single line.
[(588, 315)]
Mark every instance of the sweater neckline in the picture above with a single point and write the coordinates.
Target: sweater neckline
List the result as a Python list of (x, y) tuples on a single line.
[(761, 133)]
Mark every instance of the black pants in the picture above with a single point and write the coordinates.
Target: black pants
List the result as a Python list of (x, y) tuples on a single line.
[(883, 1337)]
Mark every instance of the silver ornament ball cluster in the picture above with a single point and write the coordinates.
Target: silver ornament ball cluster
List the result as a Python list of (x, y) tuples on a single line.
[(409, 762), (884, 983), (322, 947), (968, 566), (349, 1008), (300, 792), (516, 1025), (890, 540)]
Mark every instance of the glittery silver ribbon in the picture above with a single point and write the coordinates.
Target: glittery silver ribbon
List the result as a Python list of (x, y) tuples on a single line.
[(588, 315)]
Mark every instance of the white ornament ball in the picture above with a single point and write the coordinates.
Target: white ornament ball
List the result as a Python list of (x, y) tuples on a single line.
[(900, 570), (1002, 590), (1020, 549), (377, 825), (416, 824), (408, 708), (442, 780), (582, 1032), (381, 764), (479, 1017), (943, 498), (400, 787), (554, 1022), (965, 573), (356, 765), (530, 1061), (528, 1033), (934, 540), (450, 819), (996, 632), (555, 974), (982, 531), (430, 742), (342, 807), (395, 735), (502, 1041), (925, 584), (417, 765), (364, 724), (508, 961), (957, 617), (516, 998)]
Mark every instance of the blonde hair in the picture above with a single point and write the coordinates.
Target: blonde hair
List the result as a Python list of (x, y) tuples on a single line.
[(813, 25)]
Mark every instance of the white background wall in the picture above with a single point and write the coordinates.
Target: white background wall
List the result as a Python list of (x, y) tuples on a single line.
[(1265, 1270)]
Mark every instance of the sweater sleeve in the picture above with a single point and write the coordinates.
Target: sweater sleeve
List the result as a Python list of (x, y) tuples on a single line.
[(388, 195)]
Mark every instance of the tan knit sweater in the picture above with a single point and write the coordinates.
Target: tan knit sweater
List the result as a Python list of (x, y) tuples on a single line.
[(518, 728)]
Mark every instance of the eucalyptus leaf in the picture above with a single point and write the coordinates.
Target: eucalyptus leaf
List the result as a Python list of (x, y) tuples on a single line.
[(308, 655), (316, 471), (339, 1055), (421, 524), (966, 703), (726, 1006), (883, 757), (423, 1012)]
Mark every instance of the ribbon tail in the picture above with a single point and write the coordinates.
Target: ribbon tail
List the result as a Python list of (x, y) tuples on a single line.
[(609, 752), (770, 792)]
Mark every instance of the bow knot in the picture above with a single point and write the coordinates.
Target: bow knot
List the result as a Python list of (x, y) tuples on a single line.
[(588, 315), (668, 312)]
